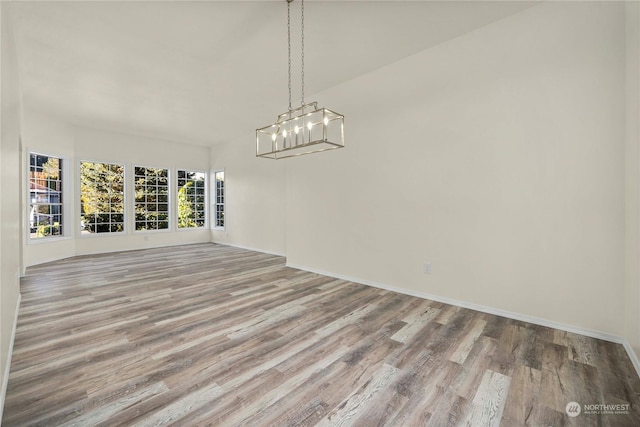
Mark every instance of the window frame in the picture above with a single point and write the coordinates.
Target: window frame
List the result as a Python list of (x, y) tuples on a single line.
[(169, 202), (125, 194), (219, 193), (63, 209), (176, 202)]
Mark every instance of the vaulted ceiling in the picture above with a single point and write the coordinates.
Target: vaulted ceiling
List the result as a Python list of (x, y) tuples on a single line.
[(206, 72)]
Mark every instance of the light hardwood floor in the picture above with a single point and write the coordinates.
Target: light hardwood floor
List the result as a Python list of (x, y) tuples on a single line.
[(213, 335)]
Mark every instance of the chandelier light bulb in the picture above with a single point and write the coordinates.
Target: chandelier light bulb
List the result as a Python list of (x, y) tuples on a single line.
[(296, 129)]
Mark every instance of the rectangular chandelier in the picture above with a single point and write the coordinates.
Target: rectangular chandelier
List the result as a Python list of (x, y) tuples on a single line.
[(303, 130)]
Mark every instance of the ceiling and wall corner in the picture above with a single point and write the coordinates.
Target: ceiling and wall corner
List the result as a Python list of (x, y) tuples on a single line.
[(203, 72)]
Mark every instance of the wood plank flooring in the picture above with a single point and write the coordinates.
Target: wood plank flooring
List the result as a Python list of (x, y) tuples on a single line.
[(213, 335)]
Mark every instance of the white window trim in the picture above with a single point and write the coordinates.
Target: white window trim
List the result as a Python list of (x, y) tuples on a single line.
[(214, 205), (174, 205), (171, 212), (67, 232), (127, 204)]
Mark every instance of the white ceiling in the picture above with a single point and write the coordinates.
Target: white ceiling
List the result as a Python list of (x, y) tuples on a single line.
[(205, 72)]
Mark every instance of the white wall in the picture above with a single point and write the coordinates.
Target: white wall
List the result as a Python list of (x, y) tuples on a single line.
[(632, 177), (10, 232), (74, 144), (497, 156), (255, 191)]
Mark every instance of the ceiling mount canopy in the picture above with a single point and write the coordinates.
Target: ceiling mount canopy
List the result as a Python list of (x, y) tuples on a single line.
[(303, 130)]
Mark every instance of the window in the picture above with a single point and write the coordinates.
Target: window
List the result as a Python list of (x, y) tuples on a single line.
[(45, 196), (101, 198), (219, 203), (152, 198), (191, 199)]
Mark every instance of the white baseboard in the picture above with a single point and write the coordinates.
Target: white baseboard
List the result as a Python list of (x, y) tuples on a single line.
[(248, 248), (5, 377), (632, 355), (490, 310)]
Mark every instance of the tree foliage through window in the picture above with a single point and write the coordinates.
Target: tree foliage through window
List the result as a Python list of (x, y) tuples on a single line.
[(101, 197), (191, 199), (152, 198)]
